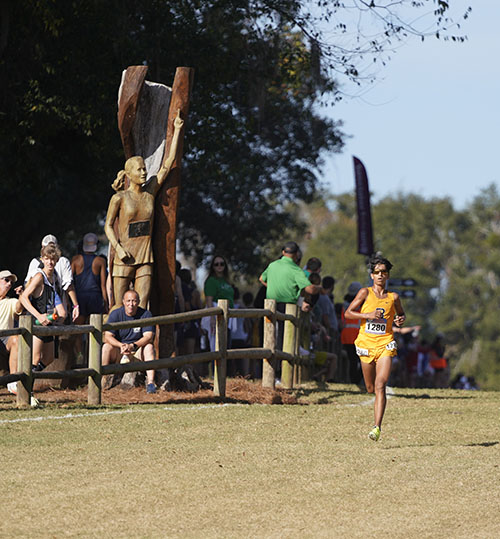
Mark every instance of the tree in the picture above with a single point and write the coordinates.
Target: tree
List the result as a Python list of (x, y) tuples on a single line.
[(254, 138), (255, 133), (453, 256)]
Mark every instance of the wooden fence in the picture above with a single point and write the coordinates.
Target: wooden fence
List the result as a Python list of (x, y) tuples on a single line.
[(289, 356)]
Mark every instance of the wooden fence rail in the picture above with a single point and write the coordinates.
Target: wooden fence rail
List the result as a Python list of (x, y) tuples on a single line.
[(268, 353)]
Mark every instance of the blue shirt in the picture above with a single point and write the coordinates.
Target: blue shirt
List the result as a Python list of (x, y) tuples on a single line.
[(129, 335)]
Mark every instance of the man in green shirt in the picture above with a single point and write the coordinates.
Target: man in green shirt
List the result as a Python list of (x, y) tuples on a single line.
[(284, 279)]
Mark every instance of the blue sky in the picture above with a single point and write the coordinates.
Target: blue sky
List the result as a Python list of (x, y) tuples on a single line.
[(430, 123)]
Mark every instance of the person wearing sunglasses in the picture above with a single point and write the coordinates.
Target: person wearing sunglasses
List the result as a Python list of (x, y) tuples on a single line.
[(378, 309), (216, 287)]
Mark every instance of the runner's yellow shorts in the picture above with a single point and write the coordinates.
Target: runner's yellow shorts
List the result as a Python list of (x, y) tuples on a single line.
[(369, 355)]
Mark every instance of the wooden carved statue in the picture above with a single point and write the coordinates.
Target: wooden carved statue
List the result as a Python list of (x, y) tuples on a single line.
[(133, 208)]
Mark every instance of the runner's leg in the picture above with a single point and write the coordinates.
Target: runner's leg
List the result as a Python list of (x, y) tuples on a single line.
[(383, 371)]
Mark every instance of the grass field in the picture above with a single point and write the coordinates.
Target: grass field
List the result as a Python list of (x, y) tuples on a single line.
[(235, 470)]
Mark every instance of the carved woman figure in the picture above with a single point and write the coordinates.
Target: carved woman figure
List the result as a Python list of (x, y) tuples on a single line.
[(134, 209)]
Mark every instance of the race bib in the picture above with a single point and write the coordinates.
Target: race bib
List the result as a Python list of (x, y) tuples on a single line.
[(393, 345), (376, 327)]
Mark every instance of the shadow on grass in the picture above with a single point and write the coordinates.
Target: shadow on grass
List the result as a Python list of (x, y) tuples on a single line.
[(482, 444), (427, 396)]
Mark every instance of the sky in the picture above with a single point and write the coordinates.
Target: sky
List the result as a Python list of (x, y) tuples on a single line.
[(429, 125)]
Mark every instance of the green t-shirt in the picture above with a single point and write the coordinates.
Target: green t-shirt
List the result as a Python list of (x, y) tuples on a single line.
[(219, 288), (284, 280)]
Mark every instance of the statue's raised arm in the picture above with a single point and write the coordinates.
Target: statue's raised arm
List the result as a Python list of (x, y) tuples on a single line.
[(169, 161)]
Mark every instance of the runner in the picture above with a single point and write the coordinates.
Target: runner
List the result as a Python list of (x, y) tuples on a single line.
[(377, 309)]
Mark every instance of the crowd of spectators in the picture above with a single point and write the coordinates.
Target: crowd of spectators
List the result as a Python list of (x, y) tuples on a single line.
[(56, 289)]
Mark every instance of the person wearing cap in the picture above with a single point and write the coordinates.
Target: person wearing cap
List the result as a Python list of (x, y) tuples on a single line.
[(285, 281), (10, 309), (283, 278), (63, 275), (89, 273)]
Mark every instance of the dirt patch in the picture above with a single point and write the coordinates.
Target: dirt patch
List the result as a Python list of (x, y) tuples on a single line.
[(238, 390)]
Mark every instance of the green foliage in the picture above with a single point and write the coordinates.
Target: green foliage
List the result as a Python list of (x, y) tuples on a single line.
[(451, 254), (254, 136), (253, 139)]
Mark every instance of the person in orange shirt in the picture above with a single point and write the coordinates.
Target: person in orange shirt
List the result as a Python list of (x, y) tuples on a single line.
[(349, 333), (377, 309)]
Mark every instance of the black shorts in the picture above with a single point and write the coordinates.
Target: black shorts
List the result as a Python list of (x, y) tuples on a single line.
[(90, 304), (3, 347)]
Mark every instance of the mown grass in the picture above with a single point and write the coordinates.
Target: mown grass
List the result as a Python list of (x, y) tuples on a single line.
[(256, 471)]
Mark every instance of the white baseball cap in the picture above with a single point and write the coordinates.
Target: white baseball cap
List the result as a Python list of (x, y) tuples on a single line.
[(6, 274), (49, 238)]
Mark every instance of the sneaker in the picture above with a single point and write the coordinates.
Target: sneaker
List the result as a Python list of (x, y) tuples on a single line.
[(38, 367), (12, 387), (34, 402), (150, 388), (374, 434)]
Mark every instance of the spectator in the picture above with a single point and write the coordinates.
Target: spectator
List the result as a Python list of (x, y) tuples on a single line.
[(310, 299), (10, 309), (216, 287), (349, 333), (190, 330), (63, 275), (424, 370), (284, 280), (41, 298), (325, 307), (89, 272), (127, 342), (313, 265), (438, 362), (240, 337)]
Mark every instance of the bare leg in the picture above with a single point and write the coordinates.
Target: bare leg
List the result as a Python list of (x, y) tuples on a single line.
[(48, 353), (37, 350), (12, 349), (369, 371), (109, 355), (383, 371), (332, 366), (148, 354), (143, 287)]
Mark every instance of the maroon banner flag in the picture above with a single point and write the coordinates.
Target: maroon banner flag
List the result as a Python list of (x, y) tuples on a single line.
[(365, 233)]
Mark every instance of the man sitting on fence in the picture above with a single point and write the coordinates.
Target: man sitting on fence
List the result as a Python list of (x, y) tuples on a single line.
[(10, 308), (125, 343)]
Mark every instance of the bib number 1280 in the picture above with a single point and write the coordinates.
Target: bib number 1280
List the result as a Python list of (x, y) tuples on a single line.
[(376, 327)]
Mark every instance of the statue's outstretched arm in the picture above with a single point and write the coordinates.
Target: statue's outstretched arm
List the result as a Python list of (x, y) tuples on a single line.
[(167, 165)]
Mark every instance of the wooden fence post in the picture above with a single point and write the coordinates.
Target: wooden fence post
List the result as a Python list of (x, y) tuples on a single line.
[(221, 346), (24, 361), (268, 374), (95, 347), (289, 347)]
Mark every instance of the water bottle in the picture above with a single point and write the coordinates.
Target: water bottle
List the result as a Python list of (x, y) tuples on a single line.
[(52, 317)]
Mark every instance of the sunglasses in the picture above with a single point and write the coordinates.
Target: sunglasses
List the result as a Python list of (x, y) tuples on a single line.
[(219, 264), (380, 272)]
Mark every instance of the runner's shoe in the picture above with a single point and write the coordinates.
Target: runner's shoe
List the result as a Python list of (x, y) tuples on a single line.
[(374, 434)]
